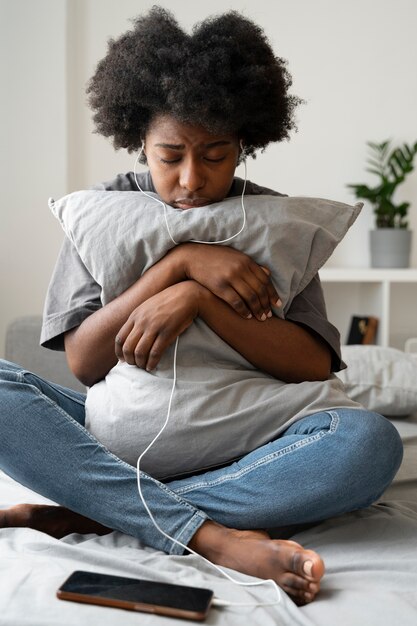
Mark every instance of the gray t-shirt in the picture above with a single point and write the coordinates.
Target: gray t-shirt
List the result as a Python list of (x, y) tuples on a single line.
[(73, 294)]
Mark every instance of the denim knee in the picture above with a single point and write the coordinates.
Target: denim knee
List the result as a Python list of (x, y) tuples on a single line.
[(377, 453), (390, 450), (8, 366)]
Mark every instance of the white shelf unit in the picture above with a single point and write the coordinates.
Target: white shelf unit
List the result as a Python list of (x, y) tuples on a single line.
[(388, 294)]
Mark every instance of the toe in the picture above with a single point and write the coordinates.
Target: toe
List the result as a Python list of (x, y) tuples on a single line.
[(308, 564), (298, 595), (295, 583)]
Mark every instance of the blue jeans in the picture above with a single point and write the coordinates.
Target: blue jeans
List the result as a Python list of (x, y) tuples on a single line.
[(324, 465)]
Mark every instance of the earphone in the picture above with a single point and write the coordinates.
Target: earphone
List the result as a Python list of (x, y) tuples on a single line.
[(216, 601)]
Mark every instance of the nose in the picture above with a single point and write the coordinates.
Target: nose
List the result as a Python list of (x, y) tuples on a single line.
[(191, 175)]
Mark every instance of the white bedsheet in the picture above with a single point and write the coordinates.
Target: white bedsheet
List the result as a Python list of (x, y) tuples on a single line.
[(370, 556)]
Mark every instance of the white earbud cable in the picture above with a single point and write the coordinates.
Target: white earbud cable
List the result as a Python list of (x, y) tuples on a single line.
[(216, 601), (179, 543)]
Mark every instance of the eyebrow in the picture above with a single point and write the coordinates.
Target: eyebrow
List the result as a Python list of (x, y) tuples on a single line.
[(181, 146)]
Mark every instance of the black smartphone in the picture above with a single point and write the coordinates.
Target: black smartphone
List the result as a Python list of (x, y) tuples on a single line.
[(137, 595)]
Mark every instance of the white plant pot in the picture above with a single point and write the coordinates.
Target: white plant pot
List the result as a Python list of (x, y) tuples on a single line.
[(390, 247)]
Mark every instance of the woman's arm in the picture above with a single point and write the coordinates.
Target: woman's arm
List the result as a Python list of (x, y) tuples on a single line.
[(284, 349), (90, 347), (236, 287), (232, 275), (281, 348)]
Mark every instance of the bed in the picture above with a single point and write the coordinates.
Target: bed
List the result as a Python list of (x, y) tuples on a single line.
[(370, 556)]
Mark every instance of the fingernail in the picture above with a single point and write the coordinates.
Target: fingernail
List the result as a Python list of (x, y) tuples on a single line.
[(308, 568), (269, 314), (249, 316), (263, 317), (278, 302)]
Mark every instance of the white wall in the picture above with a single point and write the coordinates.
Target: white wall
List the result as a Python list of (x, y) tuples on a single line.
[(354, 62), (33, 122)]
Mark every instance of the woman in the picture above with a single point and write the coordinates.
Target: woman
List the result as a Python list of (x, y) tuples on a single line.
[(196, 105)]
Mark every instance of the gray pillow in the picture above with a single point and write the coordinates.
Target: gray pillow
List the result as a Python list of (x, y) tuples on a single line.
[(223, 407), (119, 235)]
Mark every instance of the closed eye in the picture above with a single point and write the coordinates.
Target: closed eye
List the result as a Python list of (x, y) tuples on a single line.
[(169, 160)]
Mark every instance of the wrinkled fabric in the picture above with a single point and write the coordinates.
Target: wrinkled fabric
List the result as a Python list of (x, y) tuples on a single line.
[(118, 236)]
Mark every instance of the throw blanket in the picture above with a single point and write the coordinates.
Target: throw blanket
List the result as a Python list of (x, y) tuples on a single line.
[(223, 407)]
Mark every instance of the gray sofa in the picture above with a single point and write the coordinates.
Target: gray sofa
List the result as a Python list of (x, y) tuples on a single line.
[(22, 347)]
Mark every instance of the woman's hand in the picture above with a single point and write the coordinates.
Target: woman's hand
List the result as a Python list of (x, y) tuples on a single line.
[(155, 324), (232, 276)]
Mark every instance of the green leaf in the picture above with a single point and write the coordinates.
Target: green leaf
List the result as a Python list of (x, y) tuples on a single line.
[(377, 172), (391, 166), (409, 153)]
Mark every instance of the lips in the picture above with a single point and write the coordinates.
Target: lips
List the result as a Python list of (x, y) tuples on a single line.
[(191, 203)]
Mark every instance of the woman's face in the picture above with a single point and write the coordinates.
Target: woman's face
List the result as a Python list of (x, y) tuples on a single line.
[(189, 166)]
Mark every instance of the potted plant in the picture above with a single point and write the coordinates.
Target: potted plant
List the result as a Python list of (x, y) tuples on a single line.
[(391, 241)]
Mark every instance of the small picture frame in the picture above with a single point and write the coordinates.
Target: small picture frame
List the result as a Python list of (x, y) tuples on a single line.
[(362, 330)]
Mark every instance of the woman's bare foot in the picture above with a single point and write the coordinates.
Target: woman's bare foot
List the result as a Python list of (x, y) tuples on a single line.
[(52, 520), (296, 570)]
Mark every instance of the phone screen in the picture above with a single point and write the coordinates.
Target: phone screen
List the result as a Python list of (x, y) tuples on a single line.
[(137, 595)]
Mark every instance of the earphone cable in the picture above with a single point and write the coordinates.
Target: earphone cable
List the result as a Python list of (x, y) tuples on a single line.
[(217, 601), (179, 543)]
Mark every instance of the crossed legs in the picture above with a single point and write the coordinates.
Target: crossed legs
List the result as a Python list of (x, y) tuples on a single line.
[(322, 466)]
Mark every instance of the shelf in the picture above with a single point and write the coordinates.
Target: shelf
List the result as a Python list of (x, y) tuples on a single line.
[(368, 275), (388, 294)]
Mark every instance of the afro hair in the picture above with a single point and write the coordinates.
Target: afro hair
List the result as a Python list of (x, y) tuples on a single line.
[(223, 77)]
